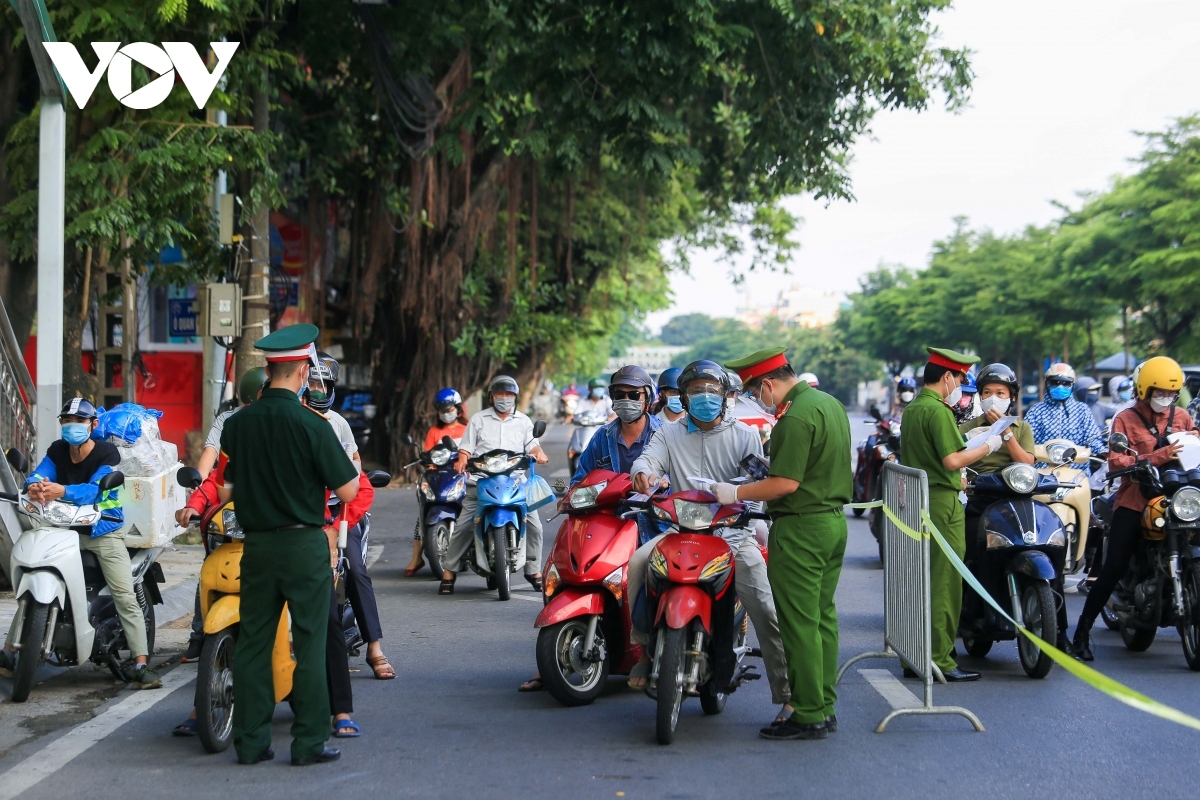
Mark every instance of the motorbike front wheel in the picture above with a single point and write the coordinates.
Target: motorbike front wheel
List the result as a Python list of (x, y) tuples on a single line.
[(1041, 617), (214, 691), (29, 658), (1137, 639), (1189, 626), (572, 679), (670, 684), (436, 540), (499, 539)]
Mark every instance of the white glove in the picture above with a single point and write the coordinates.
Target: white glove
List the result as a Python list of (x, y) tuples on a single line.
[(994, 443), (726, 493)]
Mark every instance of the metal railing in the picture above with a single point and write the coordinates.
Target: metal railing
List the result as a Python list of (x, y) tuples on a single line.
[(18, 399), (906, 602)]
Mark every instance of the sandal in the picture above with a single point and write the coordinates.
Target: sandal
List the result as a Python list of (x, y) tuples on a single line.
[(783, 717), (446, 586), (410, 571), (640, 670), (534, 684), (382, 669), (339, 729), (535, 581), (189, 727)]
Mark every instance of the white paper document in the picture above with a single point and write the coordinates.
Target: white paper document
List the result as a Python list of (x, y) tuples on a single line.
[(1190, 455), (997, 428)]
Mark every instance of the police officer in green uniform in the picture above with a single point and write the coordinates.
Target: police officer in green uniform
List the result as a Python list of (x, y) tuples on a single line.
[(282, 457), (931, 442), (809, 483)]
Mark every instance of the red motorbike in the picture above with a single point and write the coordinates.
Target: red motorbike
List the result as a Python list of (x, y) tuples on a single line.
[(699, 629), (873, 452), (584, 628)]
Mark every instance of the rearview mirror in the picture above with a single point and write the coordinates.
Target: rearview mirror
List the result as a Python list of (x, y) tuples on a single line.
[(875, 413), (449, 444), (378, 478), (1118, 442), (17, 460), (559, 486), (112, 480), (188, 477), (539, 428), (408, 439)]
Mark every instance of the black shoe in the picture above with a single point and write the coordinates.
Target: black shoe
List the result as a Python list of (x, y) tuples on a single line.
[(959, 675), (1065, 645), (788, 730), (192, 654), (831, 723), (324, 757), (265, 755), (1083, 645)]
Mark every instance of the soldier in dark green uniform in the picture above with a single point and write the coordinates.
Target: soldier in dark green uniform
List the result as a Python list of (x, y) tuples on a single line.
[(809, 482), (282, 457), (931, 442)]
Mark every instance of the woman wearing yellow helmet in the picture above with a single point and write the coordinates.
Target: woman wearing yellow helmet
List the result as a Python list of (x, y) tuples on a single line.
[(1147, 424)]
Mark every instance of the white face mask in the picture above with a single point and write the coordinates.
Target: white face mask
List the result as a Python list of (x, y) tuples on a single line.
[(1161, 404), (504, 405), (764, 395), (448, 416), (994, 403), (906, 397), (954, 396)]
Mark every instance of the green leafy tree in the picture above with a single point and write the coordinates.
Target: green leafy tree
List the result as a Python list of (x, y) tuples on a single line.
[(686, 329)]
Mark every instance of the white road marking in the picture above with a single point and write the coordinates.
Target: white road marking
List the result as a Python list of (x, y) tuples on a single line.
[(516, 596), (374, 551), (56, 755), (888, 685)]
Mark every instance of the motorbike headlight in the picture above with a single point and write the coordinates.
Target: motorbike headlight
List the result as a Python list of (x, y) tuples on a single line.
[(57, 513), (658, 562), (233, 529), (1058, 538), (1185, 505), (692, 515), (894, 427), (440, 456), (1021, 478), (585, 496), (553, 579), (662, 513), (1060, 453), (613, 583), (995, 540), (425, 490), (86, 519)]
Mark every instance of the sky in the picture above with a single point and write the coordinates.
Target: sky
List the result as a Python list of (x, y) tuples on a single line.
[(1060, 88)]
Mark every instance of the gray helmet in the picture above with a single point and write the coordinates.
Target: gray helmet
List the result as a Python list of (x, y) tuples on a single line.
[(503, 383), (632, 375)]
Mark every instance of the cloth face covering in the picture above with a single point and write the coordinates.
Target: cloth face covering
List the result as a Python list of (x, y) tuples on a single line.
[(504, 405), (597, 394), (448, 416), (628, 410), (1059, 393)]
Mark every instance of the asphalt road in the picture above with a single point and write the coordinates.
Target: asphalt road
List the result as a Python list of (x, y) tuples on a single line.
[(453, 724)]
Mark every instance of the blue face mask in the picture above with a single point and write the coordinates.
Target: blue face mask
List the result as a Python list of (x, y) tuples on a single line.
[(675, 403), (1125, 395), (1059, 393), (705, 407), (597, 393), (75, 433)]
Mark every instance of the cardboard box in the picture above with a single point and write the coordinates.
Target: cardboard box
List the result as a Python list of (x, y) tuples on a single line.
[(150, 505)]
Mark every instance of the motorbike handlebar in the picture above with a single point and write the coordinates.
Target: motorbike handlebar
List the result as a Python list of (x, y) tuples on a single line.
[(10, 497)]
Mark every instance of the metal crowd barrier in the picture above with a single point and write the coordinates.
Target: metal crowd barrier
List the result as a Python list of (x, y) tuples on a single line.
[(906, 604)]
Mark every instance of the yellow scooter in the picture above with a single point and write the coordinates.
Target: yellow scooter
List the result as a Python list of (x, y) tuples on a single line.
[(220, 607), (1063, 459)]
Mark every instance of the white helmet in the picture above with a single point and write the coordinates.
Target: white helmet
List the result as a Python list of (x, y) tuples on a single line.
[(809, 378)]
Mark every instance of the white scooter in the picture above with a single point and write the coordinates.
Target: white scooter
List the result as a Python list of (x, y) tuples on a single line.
[(65, 611)]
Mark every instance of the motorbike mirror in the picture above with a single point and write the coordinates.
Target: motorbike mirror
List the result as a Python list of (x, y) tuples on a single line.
[(876, 414), (1118, 442), (378, 478), (111, 481), (17, 460), (539, 428), (449, 444), (559, 486), (188, 477), (408, 439)]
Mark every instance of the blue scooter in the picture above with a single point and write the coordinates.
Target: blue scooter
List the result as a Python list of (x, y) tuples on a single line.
[(500, 516), (439, 494)]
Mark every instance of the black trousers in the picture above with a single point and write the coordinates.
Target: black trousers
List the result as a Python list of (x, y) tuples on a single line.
[(337, 663), (359, 589), (1122, 539)]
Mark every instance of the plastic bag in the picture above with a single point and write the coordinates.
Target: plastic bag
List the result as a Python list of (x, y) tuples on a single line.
[(537, 493), (126, 423), (141, 459)]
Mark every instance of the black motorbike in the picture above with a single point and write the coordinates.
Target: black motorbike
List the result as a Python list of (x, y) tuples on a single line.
[(876, 450), (1020, 563), (1161, 589)]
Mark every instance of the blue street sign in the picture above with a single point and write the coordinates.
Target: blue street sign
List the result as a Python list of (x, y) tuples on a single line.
[(181, 313)]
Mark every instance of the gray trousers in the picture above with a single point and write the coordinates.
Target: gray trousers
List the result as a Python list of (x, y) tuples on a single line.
[(751, 584), (464, 535), (118, 574)]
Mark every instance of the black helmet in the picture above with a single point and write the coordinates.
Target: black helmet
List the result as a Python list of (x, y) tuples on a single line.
[(703, 370), (998, 373), (326, 371), (503, 383), (78, 407), (735, 382), (632, 375)]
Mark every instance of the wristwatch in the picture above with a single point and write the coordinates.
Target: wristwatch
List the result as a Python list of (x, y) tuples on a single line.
[(1007, 435)]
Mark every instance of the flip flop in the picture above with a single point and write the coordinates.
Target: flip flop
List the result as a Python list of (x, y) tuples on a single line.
[(381, 668), (340, 725), (639, 671), (189, 727), (531, 688)]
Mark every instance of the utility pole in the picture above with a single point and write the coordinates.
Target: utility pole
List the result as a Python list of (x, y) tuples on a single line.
[(256, 321)]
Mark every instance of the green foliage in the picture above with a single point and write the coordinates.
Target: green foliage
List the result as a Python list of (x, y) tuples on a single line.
[(686, 330)]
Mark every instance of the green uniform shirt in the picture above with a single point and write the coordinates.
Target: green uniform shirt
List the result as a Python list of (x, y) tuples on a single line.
[(929, 435), (999, 459), (811, 444), (282, 457)]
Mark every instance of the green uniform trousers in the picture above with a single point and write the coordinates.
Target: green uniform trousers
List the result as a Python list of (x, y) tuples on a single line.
[(290, 565), (945, 584), (805, 564)]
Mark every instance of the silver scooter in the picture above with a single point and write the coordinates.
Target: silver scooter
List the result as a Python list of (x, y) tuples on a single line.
[(65, 611)]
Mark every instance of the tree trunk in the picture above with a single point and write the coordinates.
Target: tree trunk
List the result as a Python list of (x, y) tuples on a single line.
[(256, 321)]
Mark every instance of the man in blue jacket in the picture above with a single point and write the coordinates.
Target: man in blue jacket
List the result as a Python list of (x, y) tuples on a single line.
[(71, 472)]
